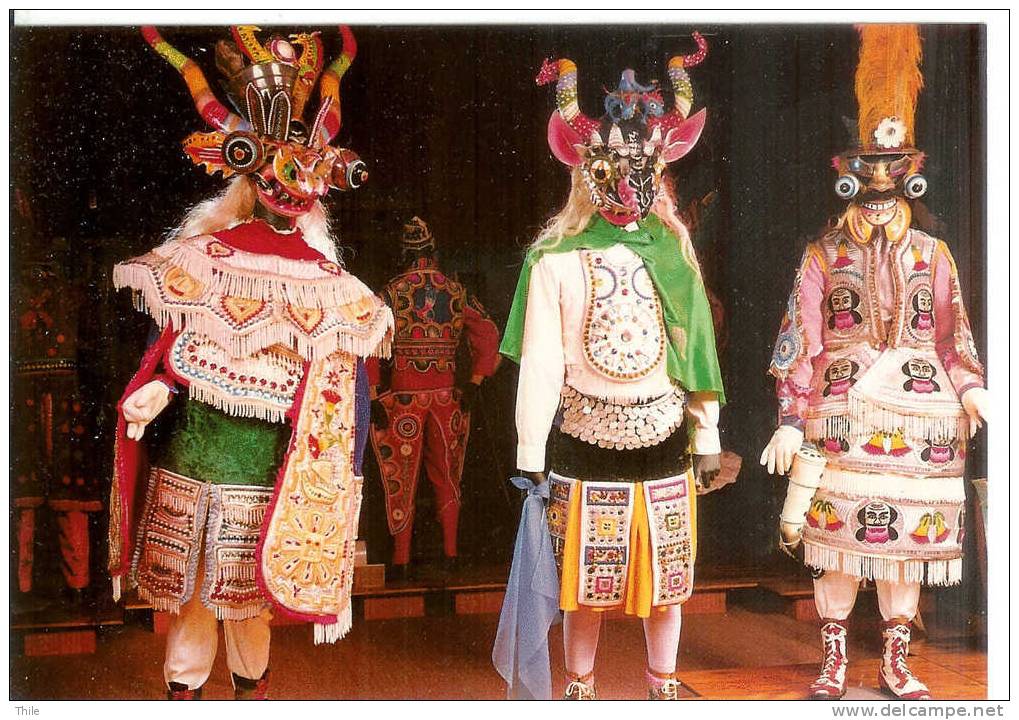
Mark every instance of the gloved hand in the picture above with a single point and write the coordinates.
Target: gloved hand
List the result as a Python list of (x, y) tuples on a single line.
[(790, 540), (705, 469), (976, 402), (779, 454), (143, 405), (379, 416), (468, 393)]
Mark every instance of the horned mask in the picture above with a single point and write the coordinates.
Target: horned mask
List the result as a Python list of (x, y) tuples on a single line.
[(291, 163), (622, 155)]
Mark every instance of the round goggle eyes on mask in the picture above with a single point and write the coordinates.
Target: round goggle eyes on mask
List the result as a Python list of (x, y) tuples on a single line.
[(243, 152), (847, 186), (915, 186), (601, 171), (349, 171)]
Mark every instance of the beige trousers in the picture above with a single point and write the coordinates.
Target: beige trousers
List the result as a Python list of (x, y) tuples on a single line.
[(835, 595), (193, 637)]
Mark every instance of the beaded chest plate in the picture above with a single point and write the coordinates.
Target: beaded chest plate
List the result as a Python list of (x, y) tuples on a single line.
[(624, 337)]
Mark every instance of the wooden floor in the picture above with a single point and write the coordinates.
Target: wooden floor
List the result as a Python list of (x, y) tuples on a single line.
[(753, 650)]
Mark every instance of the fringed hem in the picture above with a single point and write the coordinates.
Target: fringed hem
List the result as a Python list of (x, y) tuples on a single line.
[(245, 612), (897, 487), (160, 603), (819, 429), (258, 276), (372, 338), (331, 632), (929, 572), (951, 423), (374, 341), (237, 407)]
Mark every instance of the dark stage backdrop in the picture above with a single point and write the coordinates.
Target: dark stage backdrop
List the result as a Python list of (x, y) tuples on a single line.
[(452, 126)]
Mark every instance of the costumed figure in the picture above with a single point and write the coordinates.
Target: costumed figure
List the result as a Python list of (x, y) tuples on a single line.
[(613, 332), (418, 415), (252, 504), (876, 369), (51, 468)]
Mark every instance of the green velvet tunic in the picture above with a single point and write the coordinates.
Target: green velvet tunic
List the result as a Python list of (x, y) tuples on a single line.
[(208, 445)]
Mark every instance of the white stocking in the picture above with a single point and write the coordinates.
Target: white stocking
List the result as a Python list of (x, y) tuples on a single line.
[(897, 599), (835, 595), (580, 640), (661, 634)]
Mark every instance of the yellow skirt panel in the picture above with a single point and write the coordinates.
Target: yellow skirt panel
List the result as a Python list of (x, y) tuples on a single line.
[(639, 594)]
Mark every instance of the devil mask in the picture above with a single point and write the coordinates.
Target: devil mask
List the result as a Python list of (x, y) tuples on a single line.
[(622, 156), (883, 170), (291, 163)]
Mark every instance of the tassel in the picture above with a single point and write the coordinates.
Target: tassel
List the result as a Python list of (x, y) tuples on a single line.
[(330, 633), (116, 588)]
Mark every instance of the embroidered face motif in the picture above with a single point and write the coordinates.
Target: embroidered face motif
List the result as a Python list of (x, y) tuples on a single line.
[(923, 307), (921, 376), (938, 452), (842, 304), (840, 376), (877, 519)]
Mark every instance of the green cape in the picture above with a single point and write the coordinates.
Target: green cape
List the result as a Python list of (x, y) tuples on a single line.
[(691, 357)]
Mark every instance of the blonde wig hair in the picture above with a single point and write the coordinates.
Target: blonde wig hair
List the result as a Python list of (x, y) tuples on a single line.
[(236, 203), (576, 214)]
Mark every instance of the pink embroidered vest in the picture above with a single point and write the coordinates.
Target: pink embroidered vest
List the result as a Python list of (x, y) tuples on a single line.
[(880, 398)]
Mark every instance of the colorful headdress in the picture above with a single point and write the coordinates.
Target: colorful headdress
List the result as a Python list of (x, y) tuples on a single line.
[(623, 153), (270, 85), (888, 83), (417, 236)]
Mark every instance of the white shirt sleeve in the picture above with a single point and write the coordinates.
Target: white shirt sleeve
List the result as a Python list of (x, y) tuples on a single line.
[(702, 413), (542, 366)]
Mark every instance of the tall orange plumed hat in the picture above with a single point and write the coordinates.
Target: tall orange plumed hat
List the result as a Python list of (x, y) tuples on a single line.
[(888, 82)]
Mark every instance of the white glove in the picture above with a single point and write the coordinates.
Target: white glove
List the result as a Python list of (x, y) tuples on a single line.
[(976, 403), (779, 454), (143, 405)]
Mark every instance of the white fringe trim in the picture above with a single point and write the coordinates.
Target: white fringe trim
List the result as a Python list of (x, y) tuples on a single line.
[(864, 418), (260, 276), (938, 572), (238, 613), (334, 631), (832, 426), (237, 407), (159, 603), (375, 339), (947, 423), (894, 487)]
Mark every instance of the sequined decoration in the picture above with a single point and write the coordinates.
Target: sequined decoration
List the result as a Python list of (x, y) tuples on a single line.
[(668, 503), (606, 512), (621, 426), (169, 539), (624, 335)]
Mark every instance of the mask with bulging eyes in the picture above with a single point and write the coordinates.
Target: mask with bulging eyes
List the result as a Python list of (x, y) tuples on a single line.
[(622, 156), (625, 173), (291, 165)]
